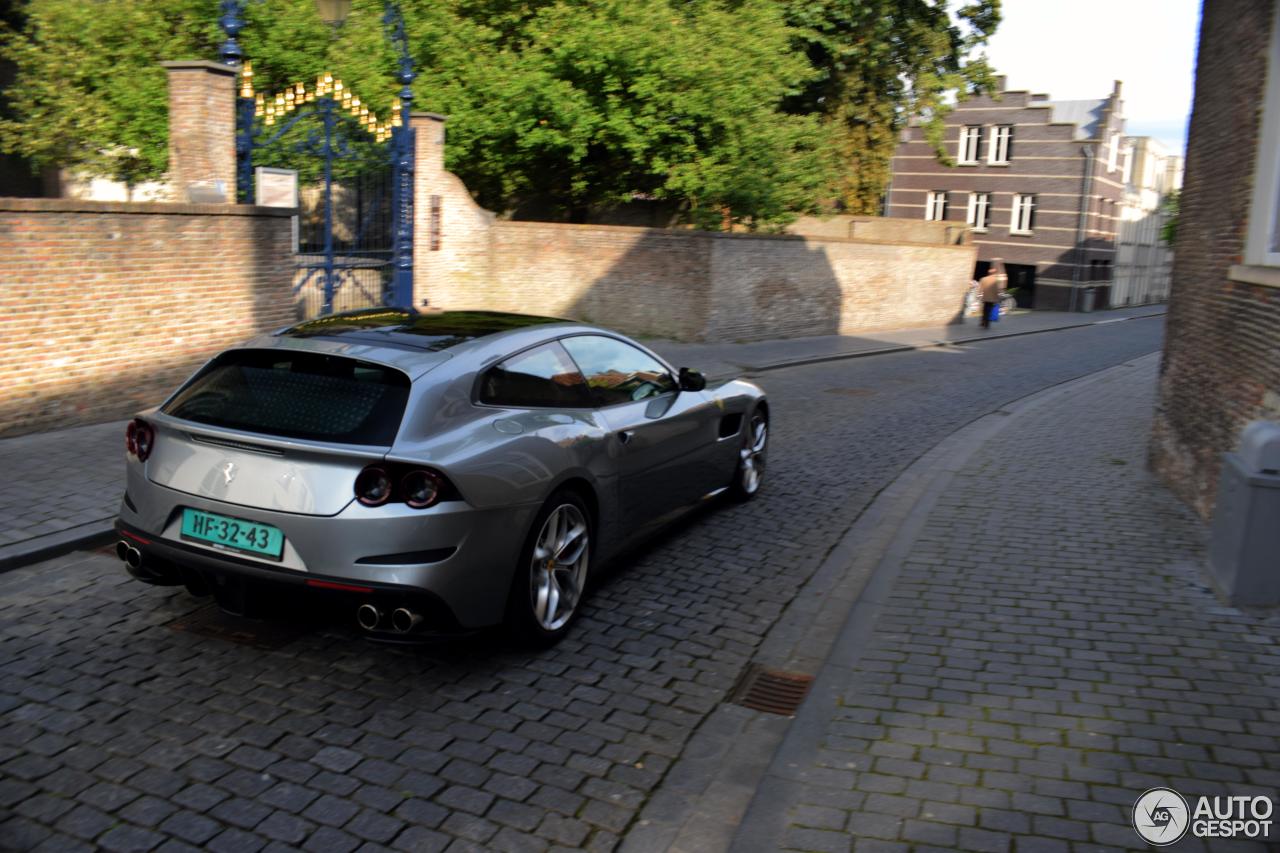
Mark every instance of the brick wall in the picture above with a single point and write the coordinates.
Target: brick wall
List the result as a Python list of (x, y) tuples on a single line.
[(106, 306), (688, 285), (645, 281), (777, 287), (692, 285), (1222, 360)]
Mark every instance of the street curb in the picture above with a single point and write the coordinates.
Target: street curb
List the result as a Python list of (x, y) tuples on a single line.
[(937, 344), (762, 825), (55, 544), (718, 799)]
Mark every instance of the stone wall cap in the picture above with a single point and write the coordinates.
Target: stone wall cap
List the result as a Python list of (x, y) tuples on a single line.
[(432, 116), (207, 65), (695, 234), (152, 208)]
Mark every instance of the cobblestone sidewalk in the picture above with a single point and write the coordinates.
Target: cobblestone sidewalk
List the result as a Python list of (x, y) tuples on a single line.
[(1046, 653), (58, 484)]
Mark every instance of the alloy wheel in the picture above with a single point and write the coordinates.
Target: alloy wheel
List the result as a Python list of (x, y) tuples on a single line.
[(751, 468), (558, 570)]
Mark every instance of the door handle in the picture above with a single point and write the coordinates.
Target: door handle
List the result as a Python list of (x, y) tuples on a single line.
[(625, 436)]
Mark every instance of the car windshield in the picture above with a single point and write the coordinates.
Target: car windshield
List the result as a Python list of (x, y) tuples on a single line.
[(296, 395)]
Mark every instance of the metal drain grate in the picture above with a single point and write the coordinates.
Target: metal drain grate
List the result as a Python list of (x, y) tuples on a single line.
[(211, 621), (773, 691)]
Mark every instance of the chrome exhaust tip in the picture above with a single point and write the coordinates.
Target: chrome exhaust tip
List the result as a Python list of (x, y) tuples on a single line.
[(405, 620), (133, 558), (368, 616), (122, 550)]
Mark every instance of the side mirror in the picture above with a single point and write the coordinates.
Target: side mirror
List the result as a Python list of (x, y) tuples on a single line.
[(691, 380)]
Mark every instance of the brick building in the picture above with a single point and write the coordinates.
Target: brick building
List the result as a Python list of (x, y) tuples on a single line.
[(1222, 348), (1040, 183)]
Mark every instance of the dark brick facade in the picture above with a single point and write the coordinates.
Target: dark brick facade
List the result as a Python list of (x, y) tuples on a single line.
[(1058, 162), (1222, 350)]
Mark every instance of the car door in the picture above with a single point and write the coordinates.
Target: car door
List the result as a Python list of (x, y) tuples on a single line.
[(663, 437)]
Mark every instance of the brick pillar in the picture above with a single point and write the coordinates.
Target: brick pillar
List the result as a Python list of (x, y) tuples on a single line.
[(202, 127), (428, 213), (452, 235)]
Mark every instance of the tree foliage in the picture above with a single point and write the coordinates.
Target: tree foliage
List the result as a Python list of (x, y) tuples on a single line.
[(1170, 207), (88, 90), (580, 105), (879, 63), (760, 107)]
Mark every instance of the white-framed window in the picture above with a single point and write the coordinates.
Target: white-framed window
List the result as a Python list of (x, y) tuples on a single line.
[(1023, 218), (1127, 170), (1113, 152), (979, 211), (1262, 240), (970, 143), (999, 144), (935, 208)]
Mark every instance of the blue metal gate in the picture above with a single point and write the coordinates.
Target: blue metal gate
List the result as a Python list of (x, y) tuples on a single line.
[(355, 174)]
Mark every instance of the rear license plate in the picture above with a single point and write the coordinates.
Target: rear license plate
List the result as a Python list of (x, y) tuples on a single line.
[(235, 534)]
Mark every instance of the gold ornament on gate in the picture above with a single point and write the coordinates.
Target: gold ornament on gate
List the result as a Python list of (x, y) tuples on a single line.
[(272, 107)]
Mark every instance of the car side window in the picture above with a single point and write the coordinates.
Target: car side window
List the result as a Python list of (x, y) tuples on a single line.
[(542, 377), (617, 372)]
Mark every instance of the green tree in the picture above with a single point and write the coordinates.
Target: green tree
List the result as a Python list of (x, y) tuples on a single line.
[(583, 105), (571, 105), (880, 63), (1170, 207), (88, 91), (751, 106)]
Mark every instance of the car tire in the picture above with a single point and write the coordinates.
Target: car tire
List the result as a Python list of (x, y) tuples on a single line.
[(748, 476), (537, 610)]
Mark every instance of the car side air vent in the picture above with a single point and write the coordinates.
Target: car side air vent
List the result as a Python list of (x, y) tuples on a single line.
[(235, 445), (730, 424)]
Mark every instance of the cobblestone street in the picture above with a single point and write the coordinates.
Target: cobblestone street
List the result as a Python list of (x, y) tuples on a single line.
[(119, 732), (1048, 652)]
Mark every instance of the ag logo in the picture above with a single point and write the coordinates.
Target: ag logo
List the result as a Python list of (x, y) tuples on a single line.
[(1161, 816)]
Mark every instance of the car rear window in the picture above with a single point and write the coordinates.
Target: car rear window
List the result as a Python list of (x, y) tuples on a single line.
[(296, 395)]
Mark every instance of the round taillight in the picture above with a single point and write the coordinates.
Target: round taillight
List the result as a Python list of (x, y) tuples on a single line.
[(145, 439), (421, 488), (373, 486), (139, 438)]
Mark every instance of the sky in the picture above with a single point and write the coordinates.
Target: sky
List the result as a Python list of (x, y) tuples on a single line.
[(1072, 49)]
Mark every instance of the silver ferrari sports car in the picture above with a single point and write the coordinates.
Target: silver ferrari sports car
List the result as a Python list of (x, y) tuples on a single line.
[(441, 471)]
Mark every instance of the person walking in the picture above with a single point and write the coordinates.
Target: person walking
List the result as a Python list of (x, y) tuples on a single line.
[(991, 287)]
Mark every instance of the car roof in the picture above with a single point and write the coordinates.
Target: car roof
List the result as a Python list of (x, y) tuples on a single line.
[(431, 331), (417, 342)]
